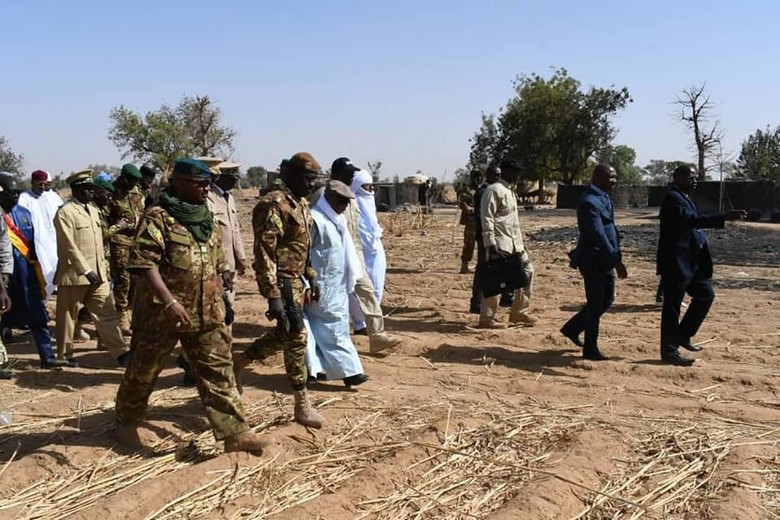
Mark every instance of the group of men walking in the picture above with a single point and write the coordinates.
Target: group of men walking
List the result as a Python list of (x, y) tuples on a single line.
[(683, 258)]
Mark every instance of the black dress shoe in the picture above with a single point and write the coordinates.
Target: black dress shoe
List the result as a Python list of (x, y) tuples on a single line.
[(594, 355), (71, 363), (692, 347), (360, 332), (676, 359), (355, 380), (5, 374), (52, 364), (574, 338)]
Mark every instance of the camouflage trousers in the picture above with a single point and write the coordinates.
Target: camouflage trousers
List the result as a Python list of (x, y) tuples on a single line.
[(124, 284), (293, 345), (209, 353), (469, 239)]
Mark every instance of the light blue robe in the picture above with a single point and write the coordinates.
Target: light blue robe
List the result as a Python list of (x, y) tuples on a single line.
[(330, 349)]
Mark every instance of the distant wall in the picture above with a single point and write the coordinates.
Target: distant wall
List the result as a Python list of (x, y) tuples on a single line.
[(394, 195), (622, 196)]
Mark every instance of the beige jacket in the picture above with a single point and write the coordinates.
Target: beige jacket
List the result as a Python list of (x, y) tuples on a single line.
[(500, 221), (226, 216), (79, 244)]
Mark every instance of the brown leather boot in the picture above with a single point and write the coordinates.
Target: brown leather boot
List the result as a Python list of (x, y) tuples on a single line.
[(305, 412), (240, 362), (246, 441)]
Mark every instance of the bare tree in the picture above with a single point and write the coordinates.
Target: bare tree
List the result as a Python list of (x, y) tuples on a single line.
[(374, 168), (696, 111)]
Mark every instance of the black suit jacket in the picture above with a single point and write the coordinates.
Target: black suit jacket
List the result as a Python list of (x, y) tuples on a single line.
[(682, 246)]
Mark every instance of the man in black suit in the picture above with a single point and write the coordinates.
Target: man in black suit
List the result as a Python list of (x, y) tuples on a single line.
[(685, 264), (598, 258)]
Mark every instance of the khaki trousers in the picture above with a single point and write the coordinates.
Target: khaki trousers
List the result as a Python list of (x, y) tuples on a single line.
[(100, 302), (521, 302), (364, 291)]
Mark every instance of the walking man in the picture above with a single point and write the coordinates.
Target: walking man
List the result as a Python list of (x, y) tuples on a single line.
[(282, 223), (468, 220), (181, 268), (598, 258), (685, 265), (82, 274), (126, 208), (502, 237)]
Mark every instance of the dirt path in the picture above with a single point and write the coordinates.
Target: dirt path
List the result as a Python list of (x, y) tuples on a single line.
[(458, 423)]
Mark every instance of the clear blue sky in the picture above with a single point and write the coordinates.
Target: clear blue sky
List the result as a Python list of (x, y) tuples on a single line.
[(403, 82)]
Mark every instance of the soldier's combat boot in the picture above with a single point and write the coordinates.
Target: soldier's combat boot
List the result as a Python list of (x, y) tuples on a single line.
[(124, 322), (246, 441), (382, 341), (127, 435), (240, 362), (305, 412)]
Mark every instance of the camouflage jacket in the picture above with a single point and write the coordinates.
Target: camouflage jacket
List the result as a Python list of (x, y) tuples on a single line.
[(130, 207), (282, 229), (191, 270), (103, 212)]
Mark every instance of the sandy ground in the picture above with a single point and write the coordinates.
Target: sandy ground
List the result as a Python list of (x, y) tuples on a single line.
[(458, 423)]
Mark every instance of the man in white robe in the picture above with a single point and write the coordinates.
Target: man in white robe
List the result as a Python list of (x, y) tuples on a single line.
[(370, 233), (330, 350), (43, 203)]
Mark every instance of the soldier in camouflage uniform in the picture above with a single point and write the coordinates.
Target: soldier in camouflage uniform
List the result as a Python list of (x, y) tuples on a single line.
[(104, 191), (180, 263), (282, 229), (468, 219), (126, 208)]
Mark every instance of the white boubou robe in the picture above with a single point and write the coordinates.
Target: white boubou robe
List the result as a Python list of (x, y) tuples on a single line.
[(330, 350), (43, 207)]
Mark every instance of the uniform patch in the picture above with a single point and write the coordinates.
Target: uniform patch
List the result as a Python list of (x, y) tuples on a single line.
[(277, 222), (155, 233)]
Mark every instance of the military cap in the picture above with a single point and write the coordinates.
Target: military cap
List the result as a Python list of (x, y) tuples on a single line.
[(131, 170), (339, 188), (80, 178), (229, 168), (192, 168), (102, 182), (343, 165), (212, 162), (304, 161)]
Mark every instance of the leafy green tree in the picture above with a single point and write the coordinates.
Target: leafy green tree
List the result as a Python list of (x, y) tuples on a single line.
[(551, 126), (191, 128), (659, 172), (256, 177), (759, 157), (622, 158), (10, 161)]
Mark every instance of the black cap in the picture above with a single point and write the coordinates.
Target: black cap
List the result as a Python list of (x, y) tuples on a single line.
[(507, 163), (147, 170), (343, 165)]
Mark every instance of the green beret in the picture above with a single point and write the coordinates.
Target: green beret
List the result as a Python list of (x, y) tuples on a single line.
[(104, 184), (131, 170), (192, 168)]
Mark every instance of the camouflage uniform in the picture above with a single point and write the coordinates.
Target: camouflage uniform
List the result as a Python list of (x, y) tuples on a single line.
[(130, 207), (469, 221), (103, 213), (191, 270), (282, 229)]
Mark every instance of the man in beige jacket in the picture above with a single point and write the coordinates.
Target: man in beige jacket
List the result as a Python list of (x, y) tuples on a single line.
[(82, 273), (503, 237), (223, 204)]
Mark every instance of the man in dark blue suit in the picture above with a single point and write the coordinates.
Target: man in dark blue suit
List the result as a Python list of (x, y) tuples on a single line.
[(685, 264), (598, 258)]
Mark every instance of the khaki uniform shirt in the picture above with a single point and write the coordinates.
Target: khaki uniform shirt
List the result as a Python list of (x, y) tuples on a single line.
[(190, 269), (79, 244), (223, 205), (500, 220)]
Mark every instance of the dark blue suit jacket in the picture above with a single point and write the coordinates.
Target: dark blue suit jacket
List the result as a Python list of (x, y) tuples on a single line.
[(598, 247), (682, 246)]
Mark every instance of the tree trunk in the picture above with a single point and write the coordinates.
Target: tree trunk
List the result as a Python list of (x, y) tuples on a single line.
[(540, 197)]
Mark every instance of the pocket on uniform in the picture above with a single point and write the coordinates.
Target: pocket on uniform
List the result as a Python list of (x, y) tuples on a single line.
[(179, 251)]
